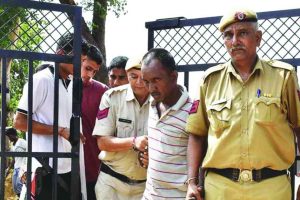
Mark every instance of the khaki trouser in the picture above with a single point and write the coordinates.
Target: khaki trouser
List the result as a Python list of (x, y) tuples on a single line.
[(220, 188), (110, 188)]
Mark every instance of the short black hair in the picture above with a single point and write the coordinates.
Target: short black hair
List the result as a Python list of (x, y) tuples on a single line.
[(10, 131), (84, 48), (65, 43), (41, 67), (166, 59), (118, 62), (94, 54)]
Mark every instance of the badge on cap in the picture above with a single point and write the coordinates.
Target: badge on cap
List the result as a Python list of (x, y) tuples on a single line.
[(102, 113), (194, 107), (240, 16)]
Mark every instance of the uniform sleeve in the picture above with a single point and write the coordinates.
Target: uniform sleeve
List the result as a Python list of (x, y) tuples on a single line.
[(197, 122), (39, 91), (291, 97), (106, 118)]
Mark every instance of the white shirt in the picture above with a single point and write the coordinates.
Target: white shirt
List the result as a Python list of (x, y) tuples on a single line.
[(42, 111), (20, 146)]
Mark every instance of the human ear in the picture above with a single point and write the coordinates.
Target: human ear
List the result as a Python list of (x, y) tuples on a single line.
[(258, 36)]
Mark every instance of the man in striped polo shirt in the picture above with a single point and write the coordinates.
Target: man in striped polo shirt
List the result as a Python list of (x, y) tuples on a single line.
[(167, 139)]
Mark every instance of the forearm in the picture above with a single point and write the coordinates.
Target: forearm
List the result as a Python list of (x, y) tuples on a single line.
[(196, 150), (114, 144), (20, 123)]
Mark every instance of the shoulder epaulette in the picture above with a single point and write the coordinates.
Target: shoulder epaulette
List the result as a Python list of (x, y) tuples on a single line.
[(279, 64), (117, 89), (212, 70)]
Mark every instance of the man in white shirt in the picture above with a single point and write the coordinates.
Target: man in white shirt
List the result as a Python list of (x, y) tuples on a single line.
[(42, 118)]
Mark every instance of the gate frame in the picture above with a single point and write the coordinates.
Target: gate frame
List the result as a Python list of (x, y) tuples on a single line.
[(76, 107)]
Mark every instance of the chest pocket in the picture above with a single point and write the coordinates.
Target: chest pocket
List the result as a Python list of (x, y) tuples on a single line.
[(125, 129), (267, 110), (219, 115)]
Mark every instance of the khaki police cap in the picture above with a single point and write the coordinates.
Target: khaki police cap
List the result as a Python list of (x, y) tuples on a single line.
[(242, 15), (134, 62)]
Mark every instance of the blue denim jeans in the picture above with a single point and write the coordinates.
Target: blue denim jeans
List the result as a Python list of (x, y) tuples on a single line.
[(16, 181)]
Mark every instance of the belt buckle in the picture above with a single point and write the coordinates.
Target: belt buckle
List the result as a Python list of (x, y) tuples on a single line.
[(245, 176)]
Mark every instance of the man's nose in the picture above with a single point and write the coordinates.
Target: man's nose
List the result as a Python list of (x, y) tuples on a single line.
[(235, 39)]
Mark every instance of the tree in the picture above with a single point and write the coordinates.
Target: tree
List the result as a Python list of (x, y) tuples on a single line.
[(95, 34), (18, 33)]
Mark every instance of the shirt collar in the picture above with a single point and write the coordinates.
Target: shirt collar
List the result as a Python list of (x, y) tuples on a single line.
[(181, 101), (129, 96), (258, 66)]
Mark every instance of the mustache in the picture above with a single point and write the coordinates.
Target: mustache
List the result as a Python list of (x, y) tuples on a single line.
[(237, 48)]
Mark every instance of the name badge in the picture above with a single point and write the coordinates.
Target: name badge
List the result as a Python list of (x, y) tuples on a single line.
[(125, 120)]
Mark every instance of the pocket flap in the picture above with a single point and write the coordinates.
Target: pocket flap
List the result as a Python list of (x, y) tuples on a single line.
[(220, 104), (268, 101)]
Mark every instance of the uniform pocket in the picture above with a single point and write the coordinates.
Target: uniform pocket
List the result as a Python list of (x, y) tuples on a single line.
[(267, 110), (219, 115), (124, 129)]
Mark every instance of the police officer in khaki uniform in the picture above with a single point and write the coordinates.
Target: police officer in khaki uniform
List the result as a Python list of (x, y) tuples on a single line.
[(121, 129), (247, 111)]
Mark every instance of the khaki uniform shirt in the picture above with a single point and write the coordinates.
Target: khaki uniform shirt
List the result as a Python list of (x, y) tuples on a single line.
[(120, 115), (248, 124)]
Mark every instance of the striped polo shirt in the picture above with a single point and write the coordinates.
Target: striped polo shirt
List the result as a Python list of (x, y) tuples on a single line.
[(167, 141)]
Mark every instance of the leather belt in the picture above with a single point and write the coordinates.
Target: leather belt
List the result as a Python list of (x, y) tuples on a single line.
[(106, 169), (245, 175)]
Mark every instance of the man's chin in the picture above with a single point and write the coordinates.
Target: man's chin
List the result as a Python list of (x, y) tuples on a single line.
[(86, 81)]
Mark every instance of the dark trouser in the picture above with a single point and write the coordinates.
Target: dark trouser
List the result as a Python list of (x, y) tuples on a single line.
[(46, 192), (90, 189)]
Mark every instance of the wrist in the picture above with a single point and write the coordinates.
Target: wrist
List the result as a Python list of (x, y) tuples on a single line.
[(192, 181), (133, 144), (60, 132)]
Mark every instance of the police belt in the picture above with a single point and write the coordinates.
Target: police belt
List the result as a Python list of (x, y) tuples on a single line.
[(106, 169), (244, 175)]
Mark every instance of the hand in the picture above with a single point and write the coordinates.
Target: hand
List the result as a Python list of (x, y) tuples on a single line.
[(143, 159), (64, 132), (141, 143), (82, 138), (194, 192), (24, 177)]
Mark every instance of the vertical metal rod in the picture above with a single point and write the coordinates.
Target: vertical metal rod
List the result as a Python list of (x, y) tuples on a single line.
[(150, 39), (29, 128), (3, 125), (186, 80), (55, 130), (76, 107)]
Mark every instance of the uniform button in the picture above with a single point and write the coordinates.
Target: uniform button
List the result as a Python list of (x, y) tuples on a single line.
[(244, 154), (244, 131)]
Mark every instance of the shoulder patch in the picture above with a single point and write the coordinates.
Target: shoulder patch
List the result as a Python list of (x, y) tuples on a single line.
[(212, 70), (194, 107), (102, 113), (280, 64)]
